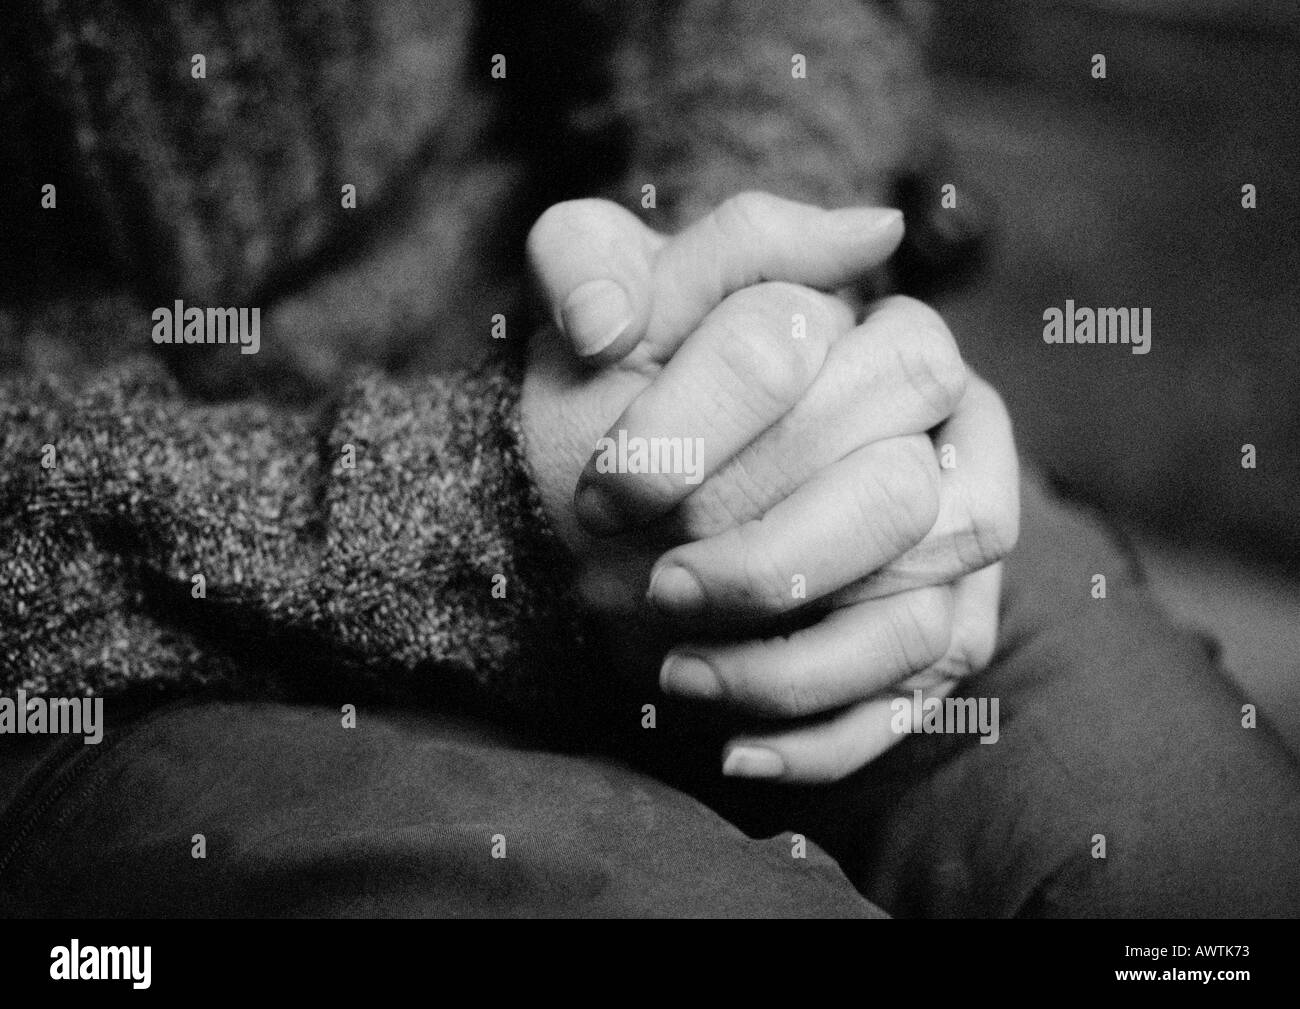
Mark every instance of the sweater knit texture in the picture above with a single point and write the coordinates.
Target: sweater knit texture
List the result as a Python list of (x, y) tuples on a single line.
[(389, 541)]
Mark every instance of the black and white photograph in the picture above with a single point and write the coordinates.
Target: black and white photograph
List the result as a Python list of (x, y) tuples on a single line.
[(665, 459)]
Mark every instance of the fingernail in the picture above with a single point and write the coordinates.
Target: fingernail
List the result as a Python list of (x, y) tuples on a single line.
[(866, 222), (595, 315), (689, 676), (675, 590), (597, 511), (753, 762)]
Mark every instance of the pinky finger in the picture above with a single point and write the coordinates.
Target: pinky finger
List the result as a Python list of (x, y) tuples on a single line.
[(828, 750), (835, 747)]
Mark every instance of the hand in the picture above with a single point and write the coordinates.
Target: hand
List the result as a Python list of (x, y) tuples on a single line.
[(671, 289), (817, 468)]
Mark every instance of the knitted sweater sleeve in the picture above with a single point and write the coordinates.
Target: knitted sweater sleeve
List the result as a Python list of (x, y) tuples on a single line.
[(395, 539)]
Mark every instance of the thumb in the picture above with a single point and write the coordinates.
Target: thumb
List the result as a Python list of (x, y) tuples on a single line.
[(593, 260)]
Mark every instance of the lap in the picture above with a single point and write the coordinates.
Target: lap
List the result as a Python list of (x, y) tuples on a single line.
[(401, 815)]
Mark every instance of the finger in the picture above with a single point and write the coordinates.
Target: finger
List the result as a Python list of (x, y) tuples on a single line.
[(750, 360), (594, 263), (611, 281), (899, 372), (825, 751), (977, 598), (979, 501), (753, 237), (844, 523), (831, 748), (847, 656)]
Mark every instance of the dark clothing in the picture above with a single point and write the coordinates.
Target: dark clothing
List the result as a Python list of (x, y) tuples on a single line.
[(396, 817), (1114, 723)]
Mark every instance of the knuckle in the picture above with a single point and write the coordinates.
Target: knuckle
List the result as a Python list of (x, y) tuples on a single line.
[(970, 650), (923, 627), (769, 297), (908, 488), (992, 526), (998, 533), (777, 303), (977, 647), (929, 358), (823, 315), (931, 678), (769, 366), (746, 212)]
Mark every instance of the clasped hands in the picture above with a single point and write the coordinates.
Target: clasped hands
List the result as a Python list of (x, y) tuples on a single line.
[(858, 486)]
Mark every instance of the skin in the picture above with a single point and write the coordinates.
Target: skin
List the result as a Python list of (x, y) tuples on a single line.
[(822, 463)]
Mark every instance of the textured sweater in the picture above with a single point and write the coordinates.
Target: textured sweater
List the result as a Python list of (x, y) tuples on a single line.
[(395, 534), (334, 509)]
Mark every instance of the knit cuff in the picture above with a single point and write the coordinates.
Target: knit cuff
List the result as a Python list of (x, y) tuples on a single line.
[(438, 552)]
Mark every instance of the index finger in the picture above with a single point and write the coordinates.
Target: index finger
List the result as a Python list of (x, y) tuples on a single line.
[(754, 237)]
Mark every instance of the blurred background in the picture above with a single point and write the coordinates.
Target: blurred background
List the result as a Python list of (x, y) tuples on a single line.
[(1127, 192)]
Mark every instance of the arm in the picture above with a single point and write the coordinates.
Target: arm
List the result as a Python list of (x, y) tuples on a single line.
[(311, 567)]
